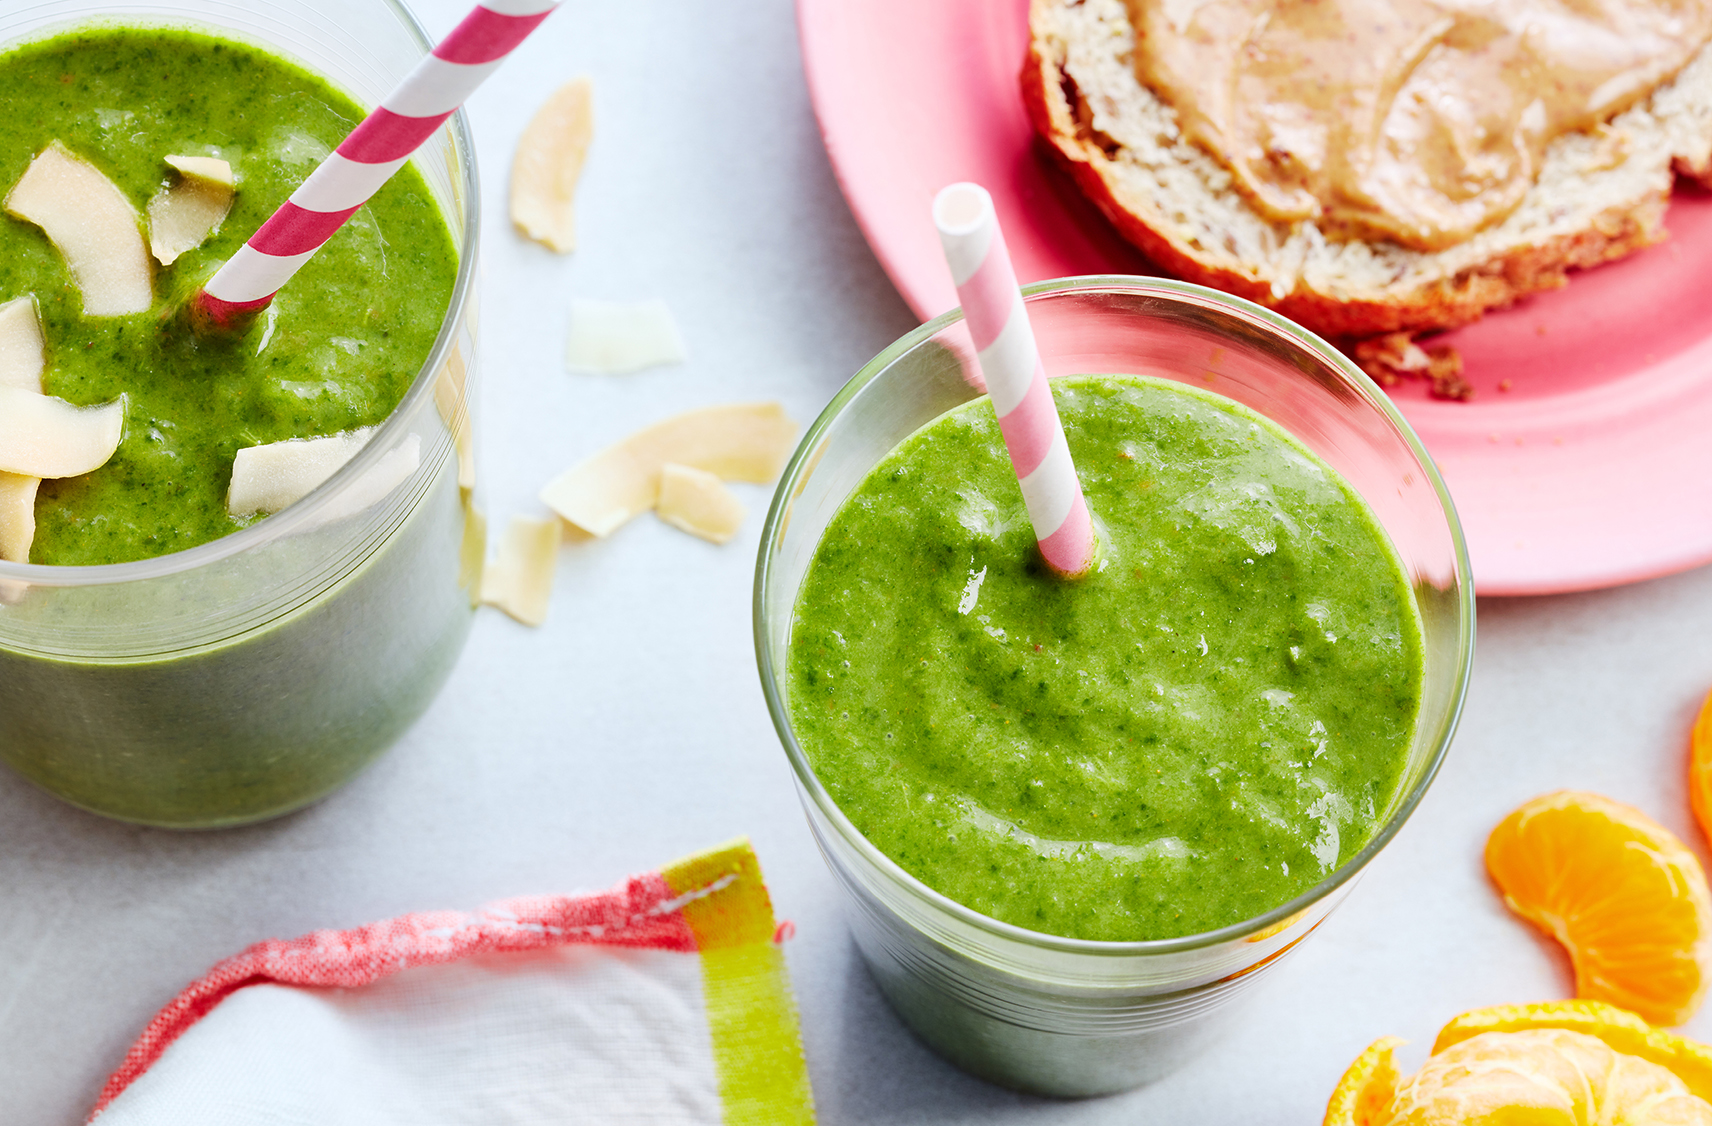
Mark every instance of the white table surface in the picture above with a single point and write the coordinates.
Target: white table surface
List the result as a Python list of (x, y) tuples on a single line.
[(630, 729)]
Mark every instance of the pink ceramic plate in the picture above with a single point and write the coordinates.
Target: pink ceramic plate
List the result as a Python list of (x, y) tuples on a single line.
[(1593, 468)]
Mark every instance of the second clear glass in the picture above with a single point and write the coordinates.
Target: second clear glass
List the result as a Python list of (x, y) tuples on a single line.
[(1067, 1016)]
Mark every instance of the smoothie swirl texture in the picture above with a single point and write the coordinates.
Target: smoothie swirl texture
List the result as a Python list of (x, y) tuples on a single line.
[(1202, 728), (336, 353)]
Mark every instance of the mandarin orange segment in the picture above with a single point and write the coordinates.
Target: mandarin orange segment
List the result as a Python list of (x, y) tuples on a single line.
[(1623, 896), (1689, 1060), (1277, 928), (1367, 1087), (1542, 1077), (1700, 769), (1563, 1063), (1615, 1026)]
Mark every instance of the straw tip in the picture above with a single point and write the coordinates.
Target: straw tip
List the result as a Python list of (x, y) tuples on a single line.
[(1074, 549), (961, 208), (209, 316), (1075, 568)]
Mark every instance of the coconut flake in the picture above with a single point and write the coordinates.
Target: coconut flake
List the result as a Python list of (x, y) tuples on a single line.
[(269, 477), (520, 579), (88, 218), (378, 481), (22, 350), (210, 169), (17, 516), (615, 337), (695, 501), (450, 401), (741, 442), (275, 475), (41, 436), (22, 357), (472, 548), (182, 216), (548, 163)]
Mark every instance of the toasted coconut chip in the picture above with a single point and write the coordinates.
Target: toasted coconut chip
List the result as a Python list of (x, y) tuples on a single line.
[(695, 501), (520, 578), (267, 478), (183, 216), (92, 223), (472, 549), (22, 357), (210, 169), (450, 401), (47, 437), (741, 442), (615, 337), (17, 516), (548, 163), (270, 477), (378, 480), (22, 350)]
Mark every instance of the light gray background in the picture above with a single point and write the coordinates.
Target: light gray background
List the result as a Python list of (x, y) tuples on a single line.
[(630, 729)]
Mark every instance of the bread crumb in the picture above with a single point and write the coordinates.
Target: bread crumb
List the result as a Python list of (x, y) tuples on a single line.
[(1444, 368), (1395, 356), (1391, 357)]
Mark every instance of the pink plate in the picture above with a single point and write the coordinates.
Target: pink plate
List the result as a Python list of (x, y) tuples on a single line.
[(1591, 467)]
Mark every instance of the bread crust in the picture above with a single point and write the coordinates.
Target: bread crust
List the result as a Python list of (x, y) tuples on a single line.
[(1063, 120)]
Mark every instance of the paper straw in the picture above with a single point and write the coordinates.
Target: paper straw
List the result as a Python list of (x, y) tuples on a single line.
[(375, 149), (1015, 377)]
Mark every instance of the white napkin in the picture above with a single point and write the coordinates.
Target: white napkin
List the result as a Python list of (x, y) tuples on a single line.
[(664, 1000)]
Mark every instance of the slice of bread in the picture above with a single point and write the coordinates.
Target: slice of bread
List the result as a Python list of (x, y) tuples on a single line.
[(1600, 195)]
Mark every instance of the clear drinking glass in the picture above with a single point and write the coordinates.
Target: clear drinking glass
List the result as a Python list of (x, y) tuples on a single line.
[(254, 674), (1067, 1016)]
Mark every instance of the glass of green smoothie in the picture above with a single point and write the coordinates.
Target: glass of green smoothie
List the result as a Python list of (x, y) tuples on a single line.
[(1076, 818), (163, 660)]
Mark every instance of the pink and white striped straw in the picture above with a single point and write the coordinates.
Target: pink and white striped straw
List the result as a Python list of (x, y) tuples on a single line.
[(375, 149), (1016, 379)]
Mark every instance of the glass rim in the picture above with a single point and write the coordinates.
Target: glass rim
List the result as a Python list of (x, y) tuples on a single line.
[(306, 511), (1203, 297)]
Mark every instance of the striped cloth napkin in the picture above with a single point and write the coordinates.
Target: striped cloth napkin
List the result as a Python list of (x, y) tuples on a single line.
[(663, 1000)]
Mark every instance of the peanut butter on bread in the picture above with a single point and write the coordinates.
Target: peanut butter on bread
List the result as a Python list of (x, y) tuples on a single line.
[(1348, 229), (1419, 121)]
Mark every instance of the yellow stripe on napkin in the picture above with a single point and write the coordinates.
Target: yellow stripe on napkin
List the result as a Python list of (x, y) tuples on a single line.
[(757, 1051)]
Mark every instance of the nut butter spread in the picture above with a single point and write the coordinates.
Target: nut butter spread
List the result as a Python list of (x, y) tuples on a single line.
[(1420, 121)]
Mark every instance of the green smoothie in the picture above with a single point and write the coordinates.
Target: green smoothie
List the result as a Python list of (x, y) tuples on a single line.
[(255, 682), (335, 352), (1198, 731)]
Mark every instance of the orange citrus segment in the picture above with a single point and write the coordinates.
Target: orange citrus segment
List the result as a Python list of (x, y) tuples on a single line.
[(1623, 1031), (1541, 1076), (1564, 1063), (1622, 894), (1367, 1087), (1700, 769), (1277, 928)]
